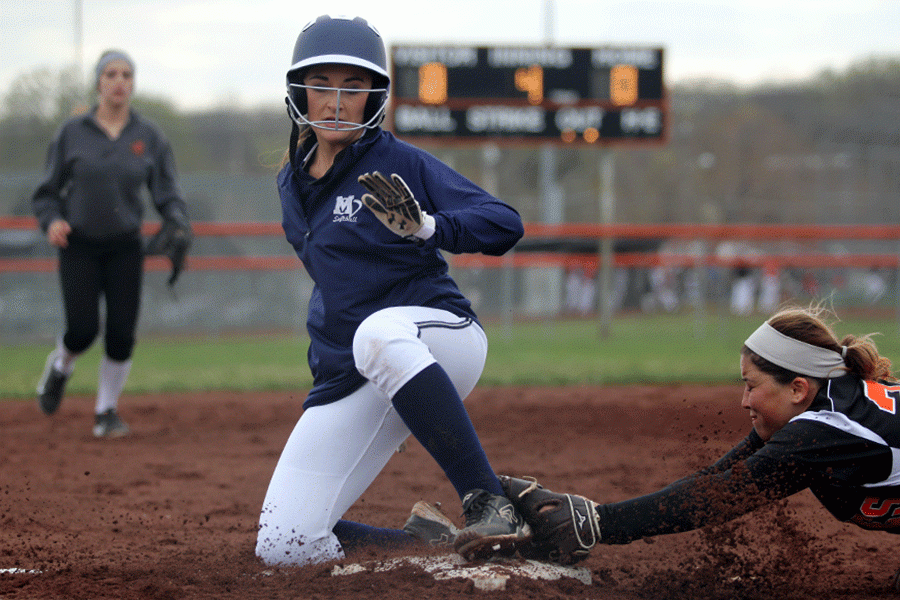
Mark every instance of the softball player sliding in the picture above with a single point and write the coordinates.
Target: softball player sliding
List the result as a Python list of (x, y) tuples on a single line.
[(394, 345)]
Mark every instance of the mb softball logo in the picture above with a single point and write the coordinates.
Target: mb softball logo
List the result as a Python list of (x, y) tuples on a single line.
[(345, 209)]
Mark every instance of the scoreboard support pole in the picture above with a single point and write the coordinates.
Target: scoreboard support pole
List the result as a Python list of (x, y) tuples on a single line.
[(490, 161), (607, 169), (552, 201)]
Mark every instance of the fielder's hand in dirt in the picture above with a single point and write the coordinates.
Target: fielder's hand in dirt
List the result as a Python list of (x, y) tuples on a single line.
[(565, 526), (395, 206)]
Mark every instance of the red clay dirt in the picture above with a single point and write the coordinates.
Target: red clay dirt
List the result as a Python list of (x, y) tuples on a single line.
[(171, 511)]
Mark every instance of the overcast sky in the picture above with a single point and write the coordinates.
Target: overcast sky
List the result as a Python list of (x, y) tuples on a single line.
[(202, 53)]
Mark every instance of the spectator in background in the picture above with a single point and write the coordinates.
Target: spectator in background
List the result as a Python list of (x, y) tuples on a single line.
[(874, 285), (663, 288), (743, 289), (664, 280), (580, 290), (770, 287), (89, 205)]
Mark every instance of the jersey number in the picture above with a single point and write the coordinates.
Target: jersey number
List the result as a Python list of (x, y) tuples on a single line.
[(884, 396), (878, 508)]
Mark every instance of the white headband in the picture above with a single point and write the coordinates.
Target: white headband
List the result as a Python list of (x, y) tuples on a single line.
[(794, 355)]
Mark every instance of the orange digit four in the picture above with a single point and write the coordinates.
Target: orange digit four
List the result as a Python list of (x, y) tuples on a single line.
[(884, 396)]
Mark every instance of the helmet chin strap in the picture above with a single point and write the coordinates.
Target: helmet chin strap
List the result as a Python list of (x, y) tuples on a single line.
[(336, 125)]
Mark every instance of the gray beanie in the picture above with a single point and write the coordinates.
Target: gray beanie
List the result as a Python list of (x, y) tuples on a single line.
[(106, 58)]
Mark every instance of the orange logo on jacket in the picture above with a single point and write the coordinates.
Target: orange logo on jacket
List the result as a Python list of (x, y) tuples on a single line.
[(138, 147)]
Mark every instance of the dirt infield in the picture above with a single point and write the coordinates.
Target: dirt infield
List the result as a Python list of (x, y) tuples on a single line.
[(171, 511)]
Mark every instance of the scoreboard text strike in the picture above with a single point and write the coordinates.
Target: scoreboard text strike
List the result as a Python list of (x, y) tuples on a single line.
[(568, 95)]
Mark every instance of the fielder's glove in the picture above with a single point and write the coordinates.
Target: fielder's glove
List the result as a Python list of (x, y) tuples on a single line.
[(173, 239), (394, 205), (565, 526)]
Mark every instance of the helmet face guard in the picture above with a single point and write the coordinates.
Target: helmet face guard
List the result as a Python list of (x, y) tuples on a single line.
[(373, 114), (342, 41)]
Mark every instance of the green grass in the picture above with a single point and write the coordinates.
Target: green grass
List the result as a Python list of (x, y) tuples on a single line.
[(638, 349), (161, 364)]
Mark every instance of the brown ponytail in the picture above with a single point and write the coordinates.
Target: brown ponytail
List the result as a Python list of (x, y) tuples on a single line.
[(863, 359)]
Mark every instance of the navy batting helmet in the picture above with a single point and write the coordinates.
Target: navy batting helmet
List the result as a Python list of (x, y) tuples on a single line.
[(345, 41)]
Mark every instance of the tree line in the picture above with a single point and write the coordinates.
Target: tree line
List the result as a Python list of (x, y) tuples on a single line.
[(825, 149)]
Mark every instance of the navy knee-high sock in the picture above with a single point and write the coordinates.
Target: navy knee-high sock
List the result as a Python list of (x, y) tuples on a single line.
[(432, 409), (353, 536)]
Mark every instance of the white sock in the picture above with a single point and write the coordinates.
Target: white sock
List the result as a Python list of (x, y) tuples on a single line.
[(112, 380), (65, 360)]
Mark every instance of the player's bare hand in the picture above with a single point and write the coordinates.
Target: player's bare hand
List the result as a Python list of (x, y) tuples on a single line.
[(393, 203), (58, 233)]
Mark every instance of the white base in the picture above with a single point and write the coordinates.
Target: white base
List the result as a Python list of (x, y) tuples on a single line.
[(489, 576), (20, 572)]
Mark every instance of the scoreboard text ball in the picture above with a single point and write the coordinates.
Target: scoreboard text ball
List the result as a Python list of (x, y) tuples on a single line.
[(565, 94)]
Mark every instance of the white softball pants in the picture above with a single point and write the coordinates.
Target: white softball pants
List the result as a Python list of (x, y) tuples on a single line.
[(335, 451)]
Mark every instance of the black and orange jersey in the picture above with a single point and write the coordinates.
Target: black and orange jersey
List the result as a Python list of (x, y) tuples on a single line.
[(845, 448)]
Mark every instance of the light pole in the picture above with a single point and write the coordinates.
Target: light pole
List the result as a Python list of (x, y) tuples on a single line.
[(79, 45)]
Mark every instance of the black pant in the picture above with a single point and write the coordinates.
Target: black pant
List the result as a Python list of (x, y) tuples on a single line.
[(113, 268)]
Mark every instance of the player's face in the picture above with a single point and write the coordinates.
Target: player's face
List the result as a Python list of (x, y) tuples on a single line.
[(771, 404), (334, 111), (116, 83)]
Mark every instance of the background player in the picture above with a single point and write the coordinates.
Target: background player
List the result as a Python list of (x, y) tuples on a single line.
[(824, 415), (394, 345), (89, 205)]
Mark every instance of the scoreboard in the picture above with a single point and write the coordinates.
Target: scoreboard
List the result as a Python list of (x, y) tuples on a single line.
[(568, 95)]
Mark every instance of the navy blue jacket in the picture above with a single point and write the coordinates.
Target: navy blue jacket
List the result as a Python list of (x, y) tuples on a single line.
[(359, 266)]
